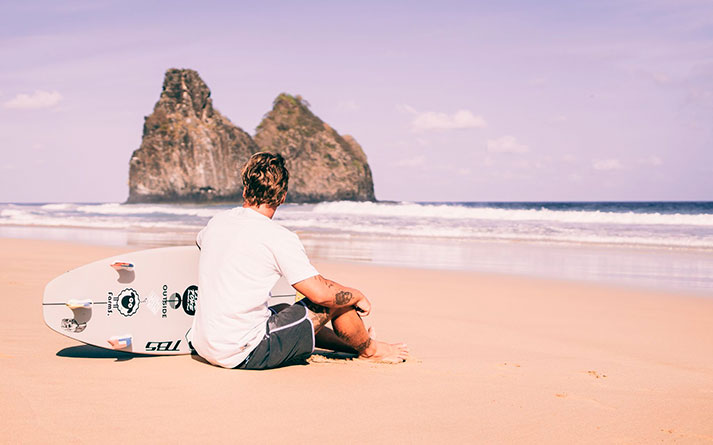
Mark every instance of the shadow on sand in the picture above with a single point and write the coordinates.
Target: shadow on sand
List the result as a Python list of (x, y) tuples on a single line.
[(89, 351), (333, 355), (318, 356)]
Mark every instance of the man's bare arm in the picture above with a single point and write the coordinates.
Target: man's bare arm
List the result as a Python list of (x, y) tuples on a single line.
[(331, 294)]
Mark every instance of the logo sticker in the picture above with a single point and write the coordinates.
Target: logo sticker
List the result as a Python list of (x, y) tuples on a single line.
[(163, 346), (127, 303), (71, 325), (175, 300), (190, 296)]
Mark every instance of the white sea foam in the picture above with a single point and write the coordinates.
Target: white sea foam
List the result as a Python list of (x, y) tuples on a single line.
[(58, 206), (395, 220), (440, 234), (15, 216), (141, 209), (443, 211), (533, 234)]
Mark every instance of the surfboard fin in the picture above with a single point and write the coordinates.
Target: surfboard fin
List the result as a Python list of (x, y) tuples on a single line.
[(76, 304), (121, 265), (120, 341)]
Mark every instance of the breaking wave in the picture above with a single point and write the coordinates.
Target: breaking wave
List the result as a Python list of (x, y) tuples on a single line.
[(683, 225)]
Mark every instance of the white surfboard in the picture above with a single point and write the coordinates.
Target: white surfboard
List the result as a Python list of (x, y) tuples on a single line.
[(141, 302)]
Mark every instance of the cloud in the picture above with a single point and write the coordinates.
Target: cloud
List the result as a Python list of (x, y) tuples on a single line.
[(38, 99), (461, 119), (433, 120), (652, 160), (417, 161), (507, 144), (347, 105), (406, 109), (525, 164), (661, 78), (607, 164)]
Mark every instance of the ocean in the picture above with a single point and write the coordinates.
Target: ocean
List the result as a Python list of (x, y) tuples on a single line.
[(660, 245)]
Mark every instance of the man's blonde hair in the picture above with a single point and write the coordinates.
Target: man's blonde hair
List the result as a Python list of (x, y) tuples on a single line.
[(265, 179)]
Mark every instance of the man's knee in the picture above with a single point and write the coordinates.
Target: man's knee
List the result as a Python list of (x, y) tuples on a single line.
[(320, 315)]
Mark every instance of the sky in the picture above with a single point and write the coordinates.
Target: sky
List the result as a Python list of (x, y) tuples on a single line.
[(451, 101)]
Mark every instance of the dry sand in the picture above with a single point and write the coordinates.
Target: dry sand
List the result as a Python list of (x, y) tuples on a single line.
[(496, 360)]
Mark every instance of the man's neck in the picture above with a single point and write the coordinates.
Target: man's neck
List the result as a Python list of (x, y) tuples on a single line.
[(262, 209)]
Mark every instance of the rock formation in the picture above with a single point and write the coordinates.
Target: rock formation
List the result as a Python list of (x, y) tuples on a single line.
[(323, 165), (192, 153), (189, 151)]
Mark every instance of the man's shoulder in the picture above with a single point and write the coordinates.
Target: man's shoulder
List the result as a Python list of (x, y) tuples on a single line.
[(253, 221), (281, 230)]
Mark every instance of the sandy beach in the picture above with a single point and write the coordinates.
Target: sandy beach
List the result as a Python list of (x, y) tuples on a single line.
[(496, 359)]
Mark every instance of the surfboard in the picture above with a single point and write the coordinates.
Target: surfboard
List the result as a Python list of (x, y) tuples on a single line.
[(141, 302)]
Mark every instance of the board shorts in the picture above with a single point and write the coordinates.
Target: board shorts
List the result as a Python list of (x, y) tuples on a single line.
[(289, 339)]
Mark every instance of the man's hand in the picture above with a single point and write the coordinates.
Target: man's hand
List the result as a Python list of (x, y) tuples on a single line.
[(363, 307)]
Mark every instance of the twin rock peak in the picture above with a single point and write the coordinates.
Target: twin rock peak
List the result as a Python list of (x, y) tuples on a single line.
[(191, 153)]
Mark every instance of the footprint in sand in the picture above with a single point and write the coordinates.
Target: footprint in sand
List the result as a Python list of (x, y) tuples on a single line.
[(589, 400), (596, 374)]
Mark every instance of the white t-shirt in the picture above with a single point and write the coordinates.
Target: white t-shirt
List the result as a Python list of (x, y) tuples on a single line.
[(243, 254)]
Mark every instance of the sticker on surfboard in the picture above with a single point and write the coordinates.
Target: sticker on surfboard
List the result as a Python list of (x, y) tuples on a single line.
[(147, 308), (127, 302)]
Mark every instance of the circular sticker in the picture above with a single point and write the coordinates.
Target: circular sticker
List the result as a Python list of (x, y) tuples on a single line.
[(127, 302), (175, 300), (190, 296)]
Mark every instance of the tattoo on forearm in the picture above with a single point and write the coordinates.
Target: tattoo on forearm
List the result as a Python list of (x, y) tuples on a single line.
[(328, 283), (343, 297)]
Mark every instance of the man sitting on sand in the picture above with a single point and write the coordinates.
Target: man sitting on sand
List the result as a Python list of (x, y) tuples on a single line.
[(243, 254)]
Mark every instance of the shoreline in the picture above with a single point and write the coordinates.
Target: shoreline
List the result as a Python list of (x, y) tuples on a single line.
[(603, 286), (495, 359), (638, 267)]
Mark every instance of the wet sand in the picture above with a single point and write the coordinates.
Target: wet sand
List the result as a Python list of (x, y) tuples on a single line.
[(496, 359)]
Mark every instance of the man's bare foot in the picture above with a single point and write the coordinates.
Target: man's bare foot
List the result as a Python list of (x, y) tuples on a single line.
[(379, 351)]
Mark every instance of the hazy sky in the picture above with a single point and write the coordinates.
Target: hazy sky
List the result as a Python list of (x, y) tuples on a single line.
[(451, 101)]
